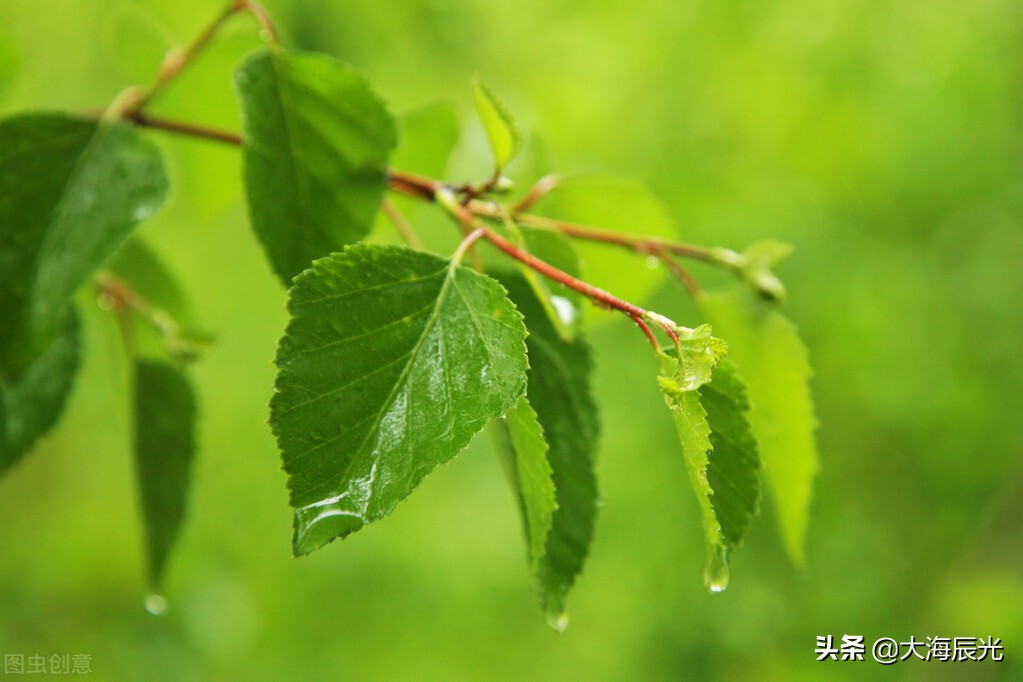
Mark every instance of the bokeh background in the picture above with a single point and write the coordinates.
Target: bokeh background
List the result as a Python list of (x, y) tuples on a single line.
[(881, 139)]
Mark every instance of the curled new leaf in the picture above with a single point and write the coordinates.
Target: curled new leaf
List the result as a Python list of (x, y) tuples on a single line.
[(392, 361), (709, 405)]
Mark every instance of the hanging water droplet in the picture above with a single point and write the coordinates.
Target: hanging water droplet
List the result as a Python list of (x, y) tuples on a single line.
[(715, 575), (557, 620), (155, 604), (652, 262)]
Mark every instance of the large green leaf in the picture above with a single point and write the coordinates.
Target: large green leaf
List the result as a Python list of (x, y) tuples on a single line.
[(392, 361), (502, 131), (164, 449), (773, 360), (709, 405), (30, 405), (316, 145), (524, 450), (559, 392), (70, 191)]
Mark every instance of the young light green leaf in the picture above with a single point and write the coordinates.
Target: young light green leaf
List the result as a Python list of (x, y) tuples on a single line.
[(773, 359), (31, 404), (524, 451), (392, 361), (164, 449), (70, 191), (709, 405), (503, 133), (559, 391), (316, 144)]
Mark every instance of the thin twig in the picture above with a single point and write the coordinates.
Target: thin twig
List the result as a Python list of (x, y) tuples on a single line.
[(401, 225), (679, 272), (181, 128), (640, 244), (471, 225), (175, 61), (537, 192)]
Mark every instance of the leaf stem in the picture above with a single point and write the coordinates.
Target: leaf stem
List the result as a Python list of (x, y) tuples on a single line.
[(121, 297), (646, 330), (466, 244)]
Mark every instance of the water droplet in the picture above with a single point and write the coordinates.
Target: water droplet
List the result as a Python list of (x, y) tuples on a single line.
[(155, 604), (715, 575), (564, 308), (557, 619), (652, 262)]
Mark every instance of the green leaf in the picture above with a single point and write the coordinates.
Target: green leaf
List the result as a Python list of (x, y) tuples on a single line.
[(613, 204), (137, 264), (31, 405), (392, 361), (733, 466), (70, 192), (709, 405), (166, 331), (524, 450), (164, 449), (427, 135), (503, 133), (316, 144), (773, 360), (559, 392)]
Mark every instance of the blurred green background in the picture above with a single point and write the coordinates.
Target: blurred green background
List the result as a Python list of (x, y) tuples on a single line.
[(882, 139)]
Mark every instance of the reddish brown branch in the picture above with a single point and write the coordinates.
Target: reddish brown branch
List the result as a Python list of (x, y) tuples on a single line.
[(189, 129)]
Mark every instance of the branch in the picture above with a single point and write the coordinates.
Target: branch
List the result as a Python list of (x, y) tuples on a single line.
[(181, 128), (176, 59), (427, 189), (476, 230)]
